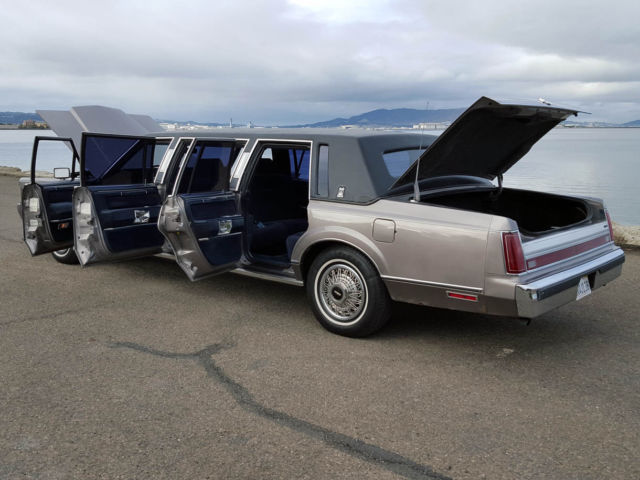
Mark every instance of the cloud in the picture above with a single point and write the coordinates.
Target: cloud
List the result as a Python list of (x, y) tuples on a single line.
[(304, 60)]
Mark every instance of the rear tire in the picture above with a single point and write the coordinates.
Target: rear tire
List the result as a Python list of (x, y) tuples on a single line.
[(347, 295), (66, 256)]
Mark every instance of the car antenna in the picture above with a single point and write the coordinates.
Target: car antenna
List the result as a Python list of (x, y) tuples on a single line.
[(416, 181)]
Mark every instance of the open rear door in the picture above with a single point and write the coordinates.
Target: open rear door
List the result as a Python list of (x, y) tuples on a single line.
[(202, 218), (46, 201), (115, 210)]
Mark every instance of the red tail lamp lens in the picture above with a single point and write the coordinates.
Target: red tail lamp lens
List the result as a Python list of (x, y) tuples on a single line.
[(513, 254)]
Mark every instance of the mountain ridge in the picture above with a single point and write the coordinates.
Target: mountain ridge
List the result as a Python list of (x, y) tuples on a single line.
[(394, 117)]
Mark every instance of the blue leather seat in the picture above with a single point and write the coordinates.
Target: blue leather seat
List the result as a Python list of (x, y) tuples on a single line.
[(271, 238)]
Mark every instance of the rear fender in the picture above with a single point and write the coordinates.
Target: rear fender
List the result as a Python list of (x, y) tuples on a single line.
[(337, 235)]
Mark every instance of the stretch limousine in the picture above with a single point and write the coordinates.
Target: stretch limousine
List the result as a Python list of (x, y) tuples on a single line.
[(357, 217)]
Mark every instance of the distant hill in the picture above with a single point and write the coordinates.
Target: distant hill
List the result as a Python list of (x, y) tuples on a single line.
[(396, 117), (17, 118), (191, 122), (635, 123)]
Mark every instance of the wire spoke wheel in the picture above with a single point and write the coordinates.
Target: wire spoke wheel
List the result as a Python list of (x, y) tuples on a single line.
[(342, 292), (347, 295)]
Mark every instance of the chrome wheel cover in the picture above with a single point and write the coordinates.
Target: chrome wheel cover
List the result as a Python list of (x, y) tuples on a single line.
[(61, 253), (341, 292)]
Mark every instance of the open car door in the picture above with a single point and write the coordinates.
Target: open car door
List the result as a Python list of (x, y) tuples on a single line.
[(46, 202), (115, 209), (202, 218)]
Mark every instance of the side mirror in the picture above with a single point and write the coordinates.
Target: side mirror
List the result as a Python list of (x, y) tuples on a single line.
[(61, 173)]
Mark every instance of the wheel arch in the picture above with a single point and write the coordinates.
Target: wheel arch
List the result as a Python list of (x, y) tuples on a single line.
[(314, 249)]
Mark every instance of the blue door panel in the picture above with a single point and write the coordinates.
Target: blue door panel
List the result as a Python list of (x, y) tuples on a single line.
[(223, 250), (128, 216), (211, 227), (124, 217), (208, 208), (57, 202), (133, 237), (206, 213)]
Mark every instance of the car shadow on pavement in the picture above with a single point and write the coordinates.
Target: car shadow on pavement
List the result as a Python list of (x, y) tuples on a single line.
[(559, 331), (560, 327)]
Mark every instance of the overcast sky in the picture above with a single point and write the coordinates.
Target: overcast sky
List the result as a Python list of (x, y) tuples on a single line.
[(283, 61)]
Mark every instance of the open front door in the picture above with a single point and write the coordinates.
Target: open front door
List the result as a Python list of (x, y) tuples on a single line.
[(115, 210), (202, 219), (46, 201)]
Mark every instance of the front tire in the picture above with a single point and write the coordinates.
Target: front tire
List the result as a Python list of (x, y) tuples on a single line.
[(66, 256), (347, 295)]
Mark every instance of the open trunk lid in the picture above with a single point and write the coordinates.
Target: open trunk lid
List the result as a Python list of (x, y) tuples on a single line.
[(485, 141)]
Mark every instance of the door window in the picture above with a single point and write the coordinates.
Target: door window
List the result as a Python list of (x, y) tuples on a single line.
[(208, 167), (162, 145), (52, 153), (299, 163), (117, 160)]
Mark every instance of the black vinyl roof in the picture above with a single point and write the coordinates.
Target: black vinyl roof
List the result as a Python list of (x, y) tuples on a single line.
[(355, 155)]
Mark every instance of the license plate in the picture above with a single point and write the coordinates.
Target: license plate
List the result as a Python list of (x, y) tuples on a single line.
[(584, 288)]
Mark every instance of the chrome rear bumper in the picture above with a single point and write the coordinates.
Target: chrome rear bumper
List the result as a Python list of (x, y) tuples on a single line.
[(550, 292)]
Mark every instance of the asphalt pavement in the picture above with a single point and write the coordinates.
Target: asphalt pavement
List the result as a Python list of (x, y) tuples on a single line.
[(128, 370)]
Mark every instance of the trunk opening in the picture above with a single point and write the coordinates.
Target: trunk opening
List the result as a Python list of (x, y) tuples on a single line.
[(536, 213)]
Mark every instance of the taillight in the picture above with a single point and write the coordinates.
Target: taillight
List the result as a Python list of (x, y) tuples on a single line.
[(606, 212), (513, 254)]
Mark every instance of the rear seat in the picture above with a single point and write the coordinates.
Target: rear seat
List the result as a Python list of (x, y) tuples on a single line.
[(276, 203), (271, 238)]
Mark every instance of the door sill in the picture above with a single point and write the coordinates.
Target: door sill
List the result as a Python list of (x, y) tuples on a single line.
[(283, 276)]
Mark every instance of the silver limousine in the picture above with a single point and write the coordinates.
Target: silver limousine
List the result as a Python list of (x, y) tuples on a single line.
[(359, 218)]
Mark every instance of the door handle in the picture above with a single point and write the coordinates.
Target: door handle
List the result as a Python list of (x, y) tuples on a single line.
[(224, 227)]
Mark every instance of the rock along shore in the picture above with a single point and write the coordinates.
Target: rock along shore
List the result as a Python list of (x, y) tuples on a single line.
[(624, 235), (16, 172)]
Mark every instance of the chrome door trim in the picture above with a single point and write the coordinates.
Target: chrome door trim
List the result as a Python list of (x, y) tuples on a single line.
[(425, 283)]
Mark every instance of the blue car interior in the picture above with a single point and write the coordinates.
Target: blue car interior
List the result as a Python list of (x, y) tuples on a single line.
[(276, 202), (57, 194), (118, 171), (209, 206), (207, 212), (57, 201), (121, 228)]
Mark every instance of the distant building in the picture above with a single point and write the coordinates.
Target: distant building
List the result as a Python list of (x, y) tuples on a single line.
[(33, 124), (431, 126)]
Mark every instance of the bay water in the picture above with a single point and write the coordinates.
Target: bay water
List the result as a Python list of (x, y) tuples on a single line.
[(594, 162)]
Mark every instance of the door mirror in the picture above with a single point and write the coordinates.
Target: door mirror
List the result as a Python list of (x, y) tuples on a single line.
[(61, 173)]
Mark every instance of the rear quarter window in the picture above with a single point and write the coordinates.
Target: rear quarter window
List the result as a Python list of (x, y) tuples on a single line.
[(397, 162)]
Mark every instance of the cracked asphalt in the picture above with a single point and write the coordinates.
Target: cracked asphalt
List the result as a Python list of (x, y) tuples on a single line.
[(128, 370)]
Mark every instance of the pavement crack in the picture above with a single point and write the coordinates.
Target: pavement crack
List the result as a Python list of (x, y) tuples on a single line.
[(368, 452)]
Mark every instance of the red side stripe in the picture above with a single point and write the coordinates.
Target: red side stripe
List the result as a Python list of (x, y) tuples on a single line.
[(558, 255)]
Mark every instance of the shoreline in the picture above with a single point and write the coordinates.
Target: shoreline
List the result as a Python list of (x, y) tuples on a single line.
[(16, 172), (625, 236)]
